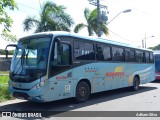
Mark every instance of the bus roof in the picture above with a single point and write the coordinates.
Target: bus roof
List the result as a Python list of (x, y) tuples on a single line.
[(90, 38), (157, 52)]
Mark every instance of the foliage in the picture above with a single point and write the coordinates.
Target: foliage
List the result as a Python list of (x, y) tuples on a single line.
[(10, 52), (52, 18), (155, 47), (5, 19), (8, 36), (91, 19)]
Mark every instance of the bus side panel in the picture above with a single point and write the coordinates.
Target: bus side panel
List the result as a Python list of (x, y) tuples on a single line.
[(88, 72), (61, 86), (102, 76), (152, 74), (145, 72)]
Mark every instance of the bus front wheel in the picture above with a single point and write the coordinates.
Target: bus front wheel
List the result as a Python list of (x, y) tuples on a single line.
[(82, 92), (136, 83)]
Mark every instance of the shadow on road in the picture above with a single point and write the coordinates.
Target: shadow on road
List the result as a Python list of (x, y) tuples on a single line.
[(68, 104)]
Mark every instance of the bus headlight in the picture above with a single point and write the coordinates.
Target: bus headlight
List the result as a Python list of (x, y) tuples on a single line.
[(41, 84)]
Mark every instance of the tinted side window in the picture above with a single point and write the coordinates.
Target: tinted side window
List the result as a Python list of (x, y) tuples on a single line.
[(99, 53), (127, 55), (103, 52), (118, 54), (139, 56), (79, 49), (84, 51), (147, 57), (107, 53), (132, 56), (89, 51), (151, 58)]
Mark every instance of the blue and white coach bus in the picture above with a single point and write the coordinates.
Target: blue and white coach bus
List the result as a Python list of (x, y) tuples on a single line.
[(51, 66), (157, 64)]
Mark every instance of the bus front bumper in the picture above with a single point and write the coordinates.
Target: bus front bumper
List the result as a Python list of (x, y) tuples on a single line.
[(31, 95)]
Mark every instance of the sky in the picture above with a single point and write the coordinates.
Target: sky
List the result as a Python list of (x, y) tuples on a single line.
[(143, 20)]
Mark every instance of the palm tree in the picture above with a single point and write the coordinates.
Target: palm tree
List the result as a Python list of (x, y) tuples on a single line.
[(52, 18), (91, 19)]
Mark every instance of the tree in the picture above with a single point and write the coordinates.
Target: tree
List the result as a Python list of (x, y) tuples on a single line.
[(155, 47), (52, 17), (7, 36), (5, 19), (91, 19)]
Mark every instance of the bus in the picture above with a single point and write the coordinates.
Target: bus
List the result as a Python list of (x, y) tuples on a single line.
[(157, 64), (50, 66)]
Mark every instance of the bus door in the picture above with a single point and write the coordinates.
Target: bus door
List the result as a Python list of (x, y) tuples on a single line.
[(61, 68)]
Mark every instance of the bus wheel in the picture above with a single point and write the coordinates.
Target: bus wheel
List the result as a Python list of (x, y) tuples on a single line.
[(82, 92), (136, 83)]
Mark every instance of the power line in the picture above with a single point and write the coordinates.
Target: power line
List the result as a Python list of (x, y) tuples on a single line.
[(28, 7), (121, 36)]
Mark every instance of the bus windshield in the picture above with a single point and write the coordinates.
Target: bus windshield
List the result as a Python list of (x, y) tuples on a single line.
[(30, 58)]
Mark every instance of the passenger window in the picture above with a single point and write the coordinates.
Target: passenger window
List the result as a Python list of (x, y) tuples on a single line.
[(139, 56), (79, 48), (127, 55), (147, 57), (84, 51), (132, 56), (103, 53), (151, 58), (118, 54), (89, 51)]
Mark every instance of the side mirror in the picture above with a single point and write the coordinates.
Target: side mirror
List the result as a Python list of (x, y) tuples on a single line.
[(10, 45), (6, 54), (58, 41)]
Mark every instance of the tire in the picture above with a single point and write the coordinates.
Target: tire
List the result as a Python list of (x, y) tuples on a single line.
[(136, 83), (82, 92)]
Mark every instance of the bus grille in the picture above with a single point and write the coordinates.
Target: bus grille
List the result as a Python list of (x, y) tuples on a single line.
[(20, 95)]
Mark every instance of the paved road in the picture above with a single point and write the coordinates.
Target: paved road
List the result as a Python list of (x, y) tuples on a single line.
[(146, 99)]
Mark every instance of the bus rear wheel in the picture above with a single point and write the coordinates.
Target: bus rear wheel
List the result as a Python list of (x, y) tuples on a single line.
[(136, 83), (82, 92)]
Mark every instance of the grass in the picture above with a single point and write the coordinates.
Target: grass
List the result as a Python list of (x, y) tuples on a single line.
[(4, 94)]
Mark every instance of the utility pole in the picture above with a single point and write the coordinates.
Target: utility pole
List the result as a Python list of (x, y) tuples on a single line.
[(145, 40), (144, 44), (98, 20), (100, 17)]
